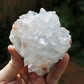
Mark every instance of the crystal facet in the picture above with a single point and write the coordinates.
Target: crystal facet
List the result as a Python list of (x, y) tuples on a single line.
[(40, 40)]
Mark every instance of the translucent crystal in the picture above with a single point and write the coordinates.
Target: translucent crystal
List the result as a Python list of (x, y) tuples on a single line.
[(40, 40)]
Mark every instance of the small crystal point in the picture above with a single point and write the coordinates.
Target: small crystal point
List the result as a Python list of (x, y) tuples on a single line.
[(42, 10)]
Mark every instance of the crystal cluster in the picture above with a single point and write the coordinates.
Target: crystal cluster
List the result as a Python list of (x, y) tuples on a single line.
[(40, 40)]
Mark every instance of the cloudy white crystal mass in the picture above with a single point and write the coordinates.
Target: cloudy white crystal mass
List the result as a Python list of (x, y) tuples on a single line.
[(40, 40)]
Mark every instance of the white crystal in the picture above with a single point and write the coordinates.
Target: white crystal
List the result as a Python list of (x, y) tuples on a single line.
[(40, 40)]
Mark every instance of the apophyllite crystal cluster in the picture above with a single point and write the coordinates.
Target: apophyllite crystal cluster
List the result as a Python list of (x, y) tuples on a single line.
[(40, 40)]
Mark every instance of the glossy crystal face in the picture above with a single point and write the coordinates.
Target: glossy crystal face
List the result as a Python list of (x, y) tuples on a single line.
[(40, 40)]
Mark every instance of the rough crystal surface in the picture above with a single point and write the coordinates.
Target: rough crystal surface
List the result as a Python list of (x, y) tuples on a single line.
[(40, 40)]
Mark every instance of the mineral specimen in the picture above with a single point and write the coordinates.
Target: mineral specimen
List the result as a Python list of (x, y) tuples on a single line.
[(40, 40)]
